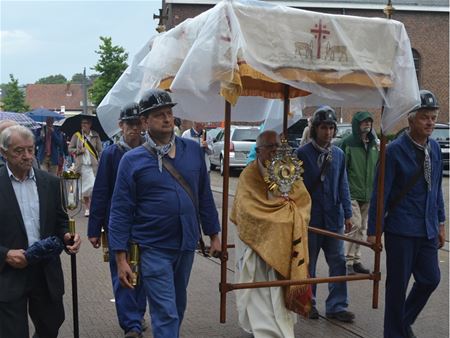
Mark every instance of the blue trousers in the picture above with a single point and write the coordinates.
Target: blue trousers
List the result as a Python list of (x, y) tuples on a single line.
[(165, 275), (130, 304), (334, 254), (406, 256)]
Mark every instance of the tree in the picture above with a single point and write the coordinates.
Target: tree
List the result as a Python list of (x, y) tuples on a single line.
[(14, 98), (52, 79), (77, 78), (110, 66)]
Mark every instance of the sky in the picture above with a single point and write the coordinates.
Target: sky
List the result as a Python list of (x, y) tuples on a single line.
[(42, 38)]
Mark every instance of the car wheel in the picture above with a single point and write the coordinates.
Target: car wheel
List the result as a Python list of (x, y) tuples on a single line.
[(212, 166), (221, 165)]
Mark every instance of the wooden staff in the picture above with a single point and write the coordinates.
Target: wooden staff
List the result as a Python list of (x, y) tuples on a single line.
[(226, 176)]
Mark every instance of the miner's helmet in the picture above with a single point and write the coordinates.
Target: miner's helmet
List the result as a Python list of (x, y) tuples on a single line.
[(129, 112), (154, 99), (428, 100), (324, 114)]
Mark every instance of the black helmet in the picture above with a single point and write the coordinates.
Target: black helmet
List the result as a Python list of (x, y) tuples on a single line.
[(129, 112), (428, 100), (154, 99), (324, 114)]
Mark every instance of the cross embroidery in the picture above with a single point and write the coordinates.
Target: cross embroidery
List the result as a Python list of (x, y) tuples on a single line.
[(318, 31)]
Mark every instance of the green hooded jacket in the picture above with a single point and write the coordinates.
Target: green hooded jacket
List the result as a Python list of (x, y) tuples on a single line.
[(361, 162)]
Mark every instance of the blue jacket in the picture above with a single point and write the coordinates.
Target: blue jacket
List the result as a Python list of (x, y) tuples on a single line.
[(103, 189), (151, 208), (419, 213), (331, 202), (56, 145)]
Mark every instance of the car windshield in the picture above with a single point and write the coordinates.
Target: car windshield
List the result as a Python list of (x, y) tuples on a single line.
[(343, 130), (441, 134), (248, 135)]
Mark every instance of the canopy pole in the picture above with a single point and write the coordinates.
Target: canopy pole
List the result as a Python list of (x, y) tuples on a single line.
[(388, 11), (226, 176), (379, 218), (286, 108)]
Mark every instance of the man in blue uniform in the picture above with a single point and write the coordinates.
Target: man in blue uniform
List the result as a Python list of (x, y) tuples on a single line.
[(325, 178), (414, 219), (130, 304), (161, 213)]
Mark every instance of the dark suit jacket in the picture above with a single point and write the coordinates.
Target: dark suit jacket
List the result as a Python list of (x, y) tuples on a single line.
[(53, 222)]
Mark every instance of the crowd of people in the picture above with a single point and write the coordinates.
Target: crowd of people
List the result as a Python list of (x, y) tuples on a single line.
[(151, 191)]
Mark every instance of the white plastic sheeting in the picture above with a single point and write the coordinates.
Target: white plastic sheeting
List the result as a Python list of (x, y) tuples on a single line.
[(343, 61)]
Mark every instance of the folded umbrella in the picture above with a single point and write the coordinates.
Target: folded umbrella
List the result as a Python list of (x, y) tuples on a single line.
[(46, 248)]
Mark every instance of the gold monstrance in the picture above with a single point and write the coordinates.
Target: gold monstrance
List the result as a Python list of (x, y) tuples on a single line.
[(284, 170)]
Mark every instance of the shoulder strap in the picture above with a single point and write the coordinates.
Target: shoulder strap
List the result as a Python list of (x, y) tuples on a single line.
[(180, 179), (407, 188), (87, 144)]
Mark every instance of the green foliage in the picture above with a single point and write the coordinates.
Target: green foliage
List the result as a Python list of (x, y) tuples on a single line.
[(14, 97), (52, 79), (77, 78), (110, 66)]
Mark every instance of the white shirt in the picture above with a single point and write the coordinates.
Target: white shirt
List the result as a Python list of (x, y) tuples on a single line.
[(28, 199), (208, 149)]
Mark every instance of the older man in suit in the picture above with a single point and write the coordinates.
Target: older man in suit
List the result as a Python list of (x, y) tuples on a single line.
[(31, 210)]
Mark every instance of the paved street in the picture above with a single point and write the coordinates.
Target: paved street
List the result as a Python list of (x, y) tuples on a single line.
[(98, 319)]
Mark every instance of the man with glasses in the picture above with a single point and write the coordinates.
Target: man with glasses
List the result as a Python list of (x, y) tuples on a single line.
[(162, 196), (266, 224), (361, 157), (31, 210), (130, 303)]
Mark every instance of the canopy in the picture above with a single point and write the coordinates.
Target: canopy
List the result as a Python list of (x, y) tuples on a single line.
[(247, 51)]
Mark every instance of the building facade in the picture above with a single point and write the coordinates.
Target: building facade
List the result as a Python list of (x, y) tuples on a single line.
[(63, 98)]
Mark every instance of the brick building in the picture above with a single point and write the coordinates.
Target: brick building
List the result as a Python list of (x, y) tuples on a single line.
[(67, 98), (426, 21)]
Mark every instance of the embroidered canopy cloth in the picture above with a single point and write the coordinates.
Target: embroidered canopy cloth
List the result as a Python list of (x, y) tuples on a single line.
[(246, 51)]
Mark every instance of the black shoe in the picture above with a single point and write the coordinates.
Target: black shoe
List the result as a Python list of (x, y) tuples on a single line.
[(350, 270), (342, 316), (359, 268), (313, 314), (410, 333)]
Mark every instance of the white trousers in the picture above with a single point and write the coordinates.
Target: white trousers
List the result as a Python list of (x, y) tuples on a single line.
[(261, 311)]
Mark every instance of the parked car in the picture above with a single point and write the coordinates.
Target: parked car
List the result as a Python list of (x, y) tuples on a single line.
[(441, 134), (243, 138), (343, 129), (213, 132), (295, 132)]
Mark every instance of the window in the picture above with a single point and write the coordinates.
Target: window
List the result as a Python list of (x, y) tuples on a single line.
[(416, 58)]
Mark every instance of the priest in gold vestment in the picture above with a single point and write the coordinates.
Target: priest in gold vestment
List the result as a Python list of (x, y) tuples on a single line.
[(272, 244)]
